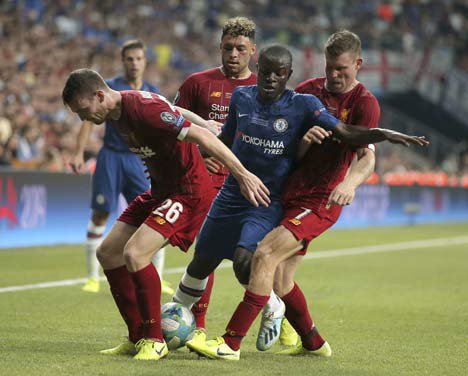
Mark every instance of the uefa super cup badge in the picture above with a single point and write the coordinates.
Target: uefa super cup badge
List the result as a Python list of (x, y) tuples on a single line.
[(280, 125), (168, 117)]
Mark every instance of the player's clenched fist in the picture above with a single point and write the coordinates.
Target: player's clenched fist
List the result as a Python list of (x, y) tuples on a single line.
[(316, 135), (342, 195), (214, 126)]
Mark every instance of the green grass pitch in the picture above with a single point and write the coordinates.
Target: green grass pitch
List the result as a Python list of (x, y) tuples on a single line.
[(388, 313)]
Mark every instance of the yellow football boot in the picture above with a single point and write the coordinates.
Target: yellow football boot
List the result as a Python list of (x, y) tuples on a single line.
[(325, 350), (147, 349), (91, 285), (288, 336), (125, 348)]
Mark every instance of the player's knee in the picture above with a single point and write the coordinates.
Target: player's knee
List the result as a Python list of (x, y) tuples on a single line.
[(104, 252), (264, 258), (241, 266), (130, 254), (198, 270)]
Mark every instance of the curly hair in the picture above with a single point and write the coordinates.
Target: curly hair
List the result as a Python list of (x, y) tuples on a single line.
[(239, 26)]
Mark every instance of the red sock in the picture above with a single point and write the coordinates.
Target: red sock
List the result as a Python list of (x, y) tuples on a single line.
[(148, 294), (199, 308), (298, 315), (243, 318), (123, 291)]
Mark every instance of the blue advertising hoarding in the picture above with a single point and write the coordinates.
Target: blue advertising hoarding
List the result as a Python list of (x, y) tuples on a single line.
[(38, 208)]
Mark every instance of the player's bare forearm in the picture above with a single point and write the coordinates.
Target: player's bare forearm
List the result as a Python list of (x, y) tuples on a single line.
[(77, 160), (362, 167), (223, 139), (358, 135), (83, 136), (213, 126), (251, 186)]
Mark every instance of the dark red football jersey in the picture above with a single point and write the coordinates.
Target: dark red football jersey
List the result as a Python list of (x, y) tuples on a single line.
[(324, 166), (208, 94), (153, 129)]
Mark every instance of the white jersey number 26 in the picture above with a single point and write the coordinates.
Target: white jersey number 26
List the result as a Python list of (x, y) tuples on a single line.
[(172, 209)]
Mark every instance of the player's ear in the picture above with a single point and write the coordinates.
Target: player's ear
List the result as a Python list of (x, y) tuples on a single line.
[(100, 95), (290, 73), (358, 63), (253, 49)]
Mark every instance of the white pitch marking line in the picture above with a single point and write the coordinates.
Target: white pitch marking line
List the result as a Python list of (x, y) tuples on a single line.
[(391, 247)]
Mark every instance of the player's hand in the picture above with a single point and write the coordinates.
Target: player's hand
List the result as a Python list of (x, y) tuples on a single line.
[(77, 163), (404, 139), (316, 135), (214, 126), (212, 165), (342, 195), (253, 189)]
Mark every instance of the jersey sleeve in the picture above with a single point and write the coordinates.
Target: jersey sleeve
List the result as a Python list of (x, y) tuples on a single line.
[(156, 112), (186, 95), (228, 131), (317, 114), (367, 112)]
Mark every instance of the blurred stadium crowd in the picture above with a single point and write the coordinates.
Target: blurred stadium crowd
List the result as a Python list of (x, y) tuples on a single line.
[(43, 40)]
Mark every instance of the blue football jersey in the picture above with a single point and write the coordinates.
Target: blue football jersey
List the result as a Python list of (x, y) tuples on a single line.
[(266, 136), (112, 138)]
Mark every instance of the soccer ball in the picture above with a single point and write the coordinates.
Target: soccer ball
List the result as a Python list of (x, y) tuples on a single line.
[(177, 323)]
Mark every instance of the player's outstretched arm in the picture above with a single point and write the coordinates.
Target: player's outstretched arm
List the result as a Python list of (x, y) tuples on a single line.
[(76, 162), (358, 135), (212, 125), (359, 171), (250, 185)]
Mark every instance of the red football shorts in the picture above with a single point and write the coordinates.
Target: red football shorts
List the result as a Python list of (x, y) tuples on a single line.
[(305, 224), (177, 218)]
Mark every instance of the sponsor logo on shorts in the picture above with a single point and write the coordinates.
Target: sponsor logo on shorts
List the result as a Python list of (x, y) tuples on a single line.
[(280, 125), (216, 94), (100, 199), (159, 220), (295, 221), (168, 117)]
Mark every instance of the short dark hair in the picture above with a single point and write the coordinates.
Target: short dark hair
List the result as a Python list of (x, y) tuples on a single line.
[(131, 45), (343, 41), (83, 82), (276, 52), (239, 26)]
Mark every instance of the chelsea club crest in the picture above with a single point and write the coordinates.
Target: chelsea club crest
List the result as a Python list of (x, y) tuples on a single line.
[(280, 125)]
